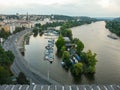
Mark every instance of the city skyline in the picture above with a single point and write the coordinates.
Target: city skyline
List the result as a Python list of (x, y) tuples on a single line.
[(101, 8)]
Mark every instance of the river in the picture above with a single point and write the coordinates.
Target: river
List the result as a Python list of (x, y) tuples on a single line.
[(94, 37)]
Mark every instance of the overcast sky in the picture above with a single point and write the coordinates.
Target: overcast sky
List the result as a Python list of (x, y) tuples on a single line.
[(93, 8)]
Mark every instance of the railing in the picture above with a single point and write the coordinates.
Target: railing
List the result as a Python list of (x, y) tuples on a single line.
[(60, 87)]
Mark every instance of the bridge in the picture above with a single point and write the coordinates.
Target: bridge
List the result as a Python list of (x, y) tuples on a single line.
[(60, 87)]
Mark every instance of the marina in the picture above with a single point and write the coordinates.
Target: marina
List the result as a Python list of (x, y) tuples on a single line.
[(49, 49)]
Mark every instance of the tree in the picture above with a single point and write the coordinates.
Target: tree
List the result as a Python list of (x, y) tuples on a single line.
[(21, 79), (10, 55), (90, 62), (77, 69), (75, 40), (35, 31), (66, 58), (63, 49), (69, 34), (4, 34), (60, 43), (38, 25), (66, 32), (4, 75), (6, 57), (91, 58), (80, 47), (114, 26)]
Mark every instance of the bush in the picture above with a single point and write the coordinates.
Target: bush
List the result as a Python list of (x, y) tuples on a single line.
[(77, 69), (21, 79)]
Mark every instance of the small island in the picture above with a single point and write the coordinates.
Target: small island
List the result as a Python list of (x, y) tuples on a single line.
[(71, 51)]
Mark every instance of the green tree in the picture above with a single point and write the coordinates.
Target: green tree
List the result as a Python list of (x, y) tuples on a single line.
[(66, 59), (4, 34), (21, 79), (75, 40), (80, 47), (4, 75), (63, 49), (66, 33), (90, 62), (77, 69), (38, 25), (90, 69), (60, 43), (35, 31), (91, 58), (10, 55), (114, 26), (6, 57), (69, 34)]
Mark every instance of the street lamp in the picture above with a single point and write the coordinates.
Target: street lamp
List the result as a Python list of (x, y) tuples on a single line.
[(50, 62)]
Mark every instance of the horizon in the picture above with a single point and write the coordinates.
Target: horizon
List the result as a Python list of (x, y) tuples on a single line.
[(64, 15), (101, 8)]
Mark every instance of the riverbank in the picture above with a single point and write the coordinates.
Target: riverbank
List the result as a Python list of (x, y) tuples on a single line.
[(114, 27)]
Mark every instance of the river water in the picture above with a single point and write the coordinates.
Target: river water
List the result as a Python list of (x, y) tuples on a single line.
[(94, 37)]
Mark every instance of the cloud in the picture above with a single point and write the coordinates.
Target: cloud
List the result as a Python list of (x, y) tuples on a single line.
[(67, 7)]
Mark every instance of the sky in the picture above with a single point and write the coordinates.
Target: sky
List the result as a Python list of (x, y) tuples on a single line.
[(92, 8)]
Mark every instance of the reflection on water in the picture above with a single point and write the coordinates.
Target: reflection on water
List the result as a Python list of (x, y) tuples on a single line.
[(94, 36)]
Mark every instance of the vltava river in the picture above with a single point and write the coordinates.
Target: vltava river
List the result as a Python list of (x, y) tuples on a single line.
[(94, 37)]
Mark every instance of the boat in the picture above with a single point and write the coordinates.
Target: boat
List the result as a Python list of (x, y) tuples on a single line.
[(63, 64), (46, 57), (51, 41), (111, 36), (46, 52), (49, 47), (50, 60)]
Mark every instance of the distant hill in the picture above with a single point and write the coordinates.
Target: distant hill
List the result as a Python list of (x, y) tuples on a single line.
[(104, 18), (84, 18), (61, 17), (117, 19), (80, 18)]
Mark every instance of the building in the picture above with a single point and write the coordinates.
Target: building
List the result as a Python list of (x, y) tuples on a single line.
[(6, 28), (67, 40), (12, 28), (1, 40), (23, 23), (27, 17)]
